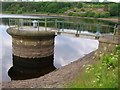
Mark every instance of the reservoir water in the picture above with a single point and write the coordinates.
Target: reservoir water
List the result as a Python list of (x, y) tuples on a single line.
[(67, 49)]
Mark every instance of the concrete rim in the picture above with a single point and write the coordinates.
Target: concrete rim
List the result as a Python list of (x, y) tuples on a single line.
[(15, 32)]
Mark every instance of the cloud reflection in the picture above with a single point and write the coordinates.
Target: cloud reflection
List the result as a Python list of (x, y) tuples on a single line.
[(6, 53), (0, 55), (69, 49)]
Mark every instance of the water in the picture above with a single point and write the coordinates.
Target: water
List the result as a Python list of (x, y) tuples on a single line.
[(0, 56), (67, 49), (6, 53), (22, 16)]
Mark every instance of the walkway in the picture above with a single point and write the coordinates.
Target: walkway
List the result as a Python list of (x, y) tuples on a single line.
[(70, 32)]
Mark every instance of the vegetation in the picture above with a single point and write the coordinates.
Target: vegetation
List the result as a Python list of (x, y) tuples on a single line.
[(86, 9), (114, 10), (103, 74)]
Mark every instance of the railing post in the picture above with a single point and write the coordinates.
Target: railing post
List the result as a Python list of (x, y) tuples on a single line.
[(21, 23), (18, 24), (115, 31), (98, 32), (58, 28), (38, 25), (63, 26), (9, 23), (56, 23), (90, 27), (80, 27), (77, 30), (29, 22), (45, 24), (99, 28), (15, 23)]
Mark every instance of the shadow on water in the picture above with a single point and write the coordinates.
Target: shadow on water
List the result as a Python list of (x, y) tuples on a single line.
[(26, 68)]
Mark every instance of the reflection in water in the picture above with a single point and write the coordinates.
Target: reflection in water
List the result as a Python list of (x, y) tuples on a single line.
[(6, 53), (23, 16), (67, 49), (26, 68), (0, 56), (15, 16)]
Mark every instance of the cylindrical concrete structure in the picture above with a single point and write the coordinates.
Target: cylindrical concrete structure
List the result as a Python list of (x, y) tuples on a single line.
[(33, 51)]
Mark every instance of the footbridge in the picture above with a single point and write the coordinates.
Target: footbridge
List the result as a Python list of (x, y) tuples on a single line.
[(77, 29)]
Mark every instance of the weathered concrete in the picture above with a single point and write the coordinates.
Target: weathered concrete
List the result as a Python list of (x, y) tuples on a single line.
[(33, 53), (32, 44)]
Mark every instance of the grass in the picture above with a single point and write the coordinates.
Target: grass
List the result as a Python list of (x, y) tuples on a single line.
[(103, 74)]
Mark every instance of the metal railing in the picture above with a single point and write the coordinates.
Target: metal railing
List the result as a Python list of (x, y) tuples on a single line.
[(77, 26), (59, 26)]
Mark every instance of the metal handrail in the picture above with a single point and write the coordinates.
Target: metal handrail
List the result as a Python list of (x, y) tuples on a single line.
[(58, 24)]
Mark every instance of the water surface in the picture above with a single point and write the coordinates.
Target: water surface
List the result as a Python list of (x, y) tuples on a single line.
[(67, 48), (23, 16)]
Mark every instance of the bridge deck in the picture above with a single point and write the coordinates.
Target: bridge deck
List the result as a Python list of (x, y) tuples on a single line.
[(103, 38), (65, 32)]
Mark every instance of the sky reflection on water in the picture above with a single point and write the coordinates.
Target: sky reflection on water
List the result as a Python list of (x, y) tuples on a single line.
[(6, 53), (23, 16), (0, 55), (67, 49)]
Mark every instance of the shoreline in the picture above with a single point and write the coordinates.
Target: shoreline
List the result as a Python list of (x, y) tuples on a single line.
[(106, 19)]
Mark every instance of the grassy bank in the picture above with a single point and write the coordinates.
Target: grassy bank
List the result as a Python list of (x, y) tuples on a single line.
[(82, 9), (102, 74)]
